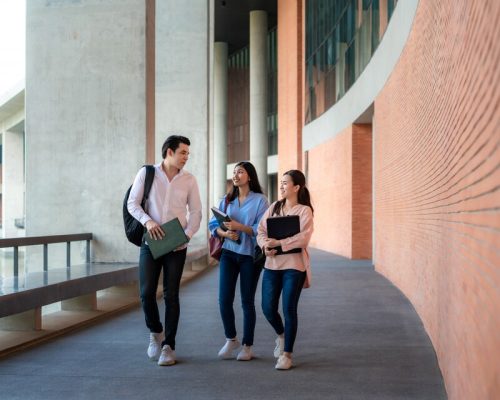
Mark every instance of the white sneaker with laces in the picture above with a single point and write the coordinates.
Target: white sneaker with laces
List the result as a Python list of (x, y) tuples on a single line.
[(154, 348), (167, 356), (284, 363), (280, 346), (245, 353), (226, 352)]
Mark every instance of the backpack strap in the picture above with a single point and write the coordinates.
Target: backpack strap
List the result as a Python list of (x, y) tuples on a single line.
[(148, 182)]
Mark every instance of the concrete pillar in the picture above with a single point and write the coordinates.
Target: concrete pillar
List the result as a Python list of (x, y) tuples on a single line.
[(364, 42), (258, 94), (12, 182), (184, 47), (220, 121), (340, 70)]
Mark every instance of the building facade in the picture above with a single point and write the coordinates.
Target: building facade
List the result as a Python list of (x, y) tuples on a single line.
[(391, 108)]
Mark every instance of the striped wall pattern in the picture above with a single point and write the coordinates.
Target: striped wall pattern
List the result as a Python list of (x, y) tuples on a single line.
[(339, 178), (437, 187)]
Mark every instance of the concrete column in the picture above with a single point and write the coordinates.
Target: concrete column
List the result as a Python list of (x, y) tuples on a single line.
[(220, 121), (340, 70), (364, 42), (258, 94), (12, 182), (184, 75)]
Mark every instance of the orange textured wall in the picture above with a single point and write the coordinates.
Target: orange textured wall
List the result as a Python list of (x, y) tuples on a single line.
[(339, 178), (361, 191), (437, 186), (290, 82)]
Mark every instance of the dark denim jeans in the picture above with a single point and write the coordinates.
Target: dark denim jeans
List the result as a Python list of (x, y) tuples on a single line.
[(290, 282), (149, 274), (231, 265)]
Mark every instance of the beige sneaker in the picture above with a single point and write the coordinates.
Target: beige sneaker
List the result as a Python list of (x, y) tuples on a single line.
[(280, 346), (284, 363), (154, 348), (226, 352), (167, 356), (245, 353)]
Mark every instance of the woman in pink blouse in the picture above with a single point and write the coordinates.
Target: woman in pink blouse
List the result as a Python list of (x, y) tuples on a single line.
[(286, 274)]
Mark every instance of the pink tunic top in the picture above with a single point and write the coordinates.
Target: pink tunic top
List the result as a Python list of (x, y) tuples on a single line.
[(299, 261)]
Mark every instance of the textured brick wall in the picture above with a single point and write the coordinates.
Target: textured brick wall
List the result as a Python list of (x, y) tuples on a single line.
[(339, 178), (329, 181), (437, 187), (361, 191)]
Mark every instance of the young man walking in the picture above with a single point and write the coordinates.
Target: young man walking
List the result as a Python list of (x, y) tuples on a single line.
[(173, 189)]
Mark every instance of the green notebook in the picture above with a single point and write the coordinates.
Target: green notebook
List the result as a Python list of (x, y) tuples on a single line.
[(174, 237)]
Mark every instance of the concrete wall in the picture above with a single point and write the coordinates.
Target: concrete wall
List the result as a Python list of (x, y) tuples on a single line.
[(85, 118), (12, 183), (437, 198), (184, 49), (12, 167)]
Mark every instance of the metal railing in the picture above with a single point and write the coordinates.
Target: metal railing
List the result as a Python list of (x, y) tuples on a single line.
[(45, 241)]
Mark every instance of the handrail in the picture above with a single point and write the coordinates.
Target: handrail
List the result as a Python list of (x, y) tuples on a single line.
[(34, 240), (45, 241)]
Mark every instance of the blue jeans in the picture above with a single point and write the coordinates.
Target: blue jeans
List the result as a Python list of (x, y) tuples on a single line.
[(290, 282), (231, 265), (172, 265)]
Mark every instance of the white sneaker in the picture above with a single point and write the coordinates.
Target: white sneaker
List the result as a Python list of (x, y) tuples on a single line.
[(167, 356), (280, 346), (154, 348), (284, 363), (226, 352), (245, 353)]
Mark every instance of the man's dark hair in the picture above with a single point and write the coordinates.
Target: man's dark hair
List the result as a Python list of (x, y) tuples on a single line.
[(173, 143)]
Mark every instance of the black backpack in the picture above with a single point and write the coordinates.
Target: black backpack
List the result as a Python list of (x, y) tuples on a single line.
[(133, 228)]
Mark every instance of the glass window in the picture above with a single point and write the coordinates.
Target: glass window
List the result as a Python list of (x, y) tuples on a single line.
[(336, 40)]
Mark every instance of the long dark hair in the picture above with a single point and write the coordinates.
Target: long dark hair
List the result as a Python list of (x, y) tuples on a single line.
[(253, 182), (303, 196)]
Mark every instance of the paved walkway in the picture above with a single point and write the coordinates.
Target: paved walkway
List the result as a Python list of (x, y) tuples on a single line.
[(359, 338)]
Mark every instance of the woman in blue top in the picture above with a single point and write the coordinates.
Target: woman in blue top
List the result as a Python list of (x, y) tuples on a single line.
[(245, 204)]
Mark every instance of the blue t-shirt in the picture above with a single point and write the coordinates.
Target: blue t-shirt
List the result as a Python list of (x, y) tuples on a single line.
[(249, 213)]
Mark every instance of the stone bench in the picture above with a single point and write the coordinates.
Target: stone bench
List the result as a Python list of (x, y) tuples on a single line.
[(76, 287)]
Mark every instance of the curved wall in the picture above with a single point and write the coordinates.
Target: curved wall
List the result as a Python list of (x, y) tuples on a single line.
[(342, 192), (437, 187)]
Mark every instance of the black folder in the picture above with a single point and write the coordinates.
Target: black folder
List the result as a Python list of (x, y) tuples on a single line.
[(222, 217), (281, 228), (174, 237)]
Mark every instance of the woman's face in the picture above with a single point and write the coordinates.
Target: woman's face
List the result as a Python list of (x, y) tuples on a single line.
[(240, 177), (287, 188)]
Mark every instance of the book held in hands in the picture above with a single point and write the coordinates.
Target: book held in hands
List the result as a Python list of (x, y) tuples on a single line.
[(222, 217), (281, 228), (174, 237)]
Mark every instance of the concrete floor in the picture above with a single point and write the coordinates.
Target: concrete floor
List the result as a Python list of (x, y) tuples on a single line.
[(359, 338)]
